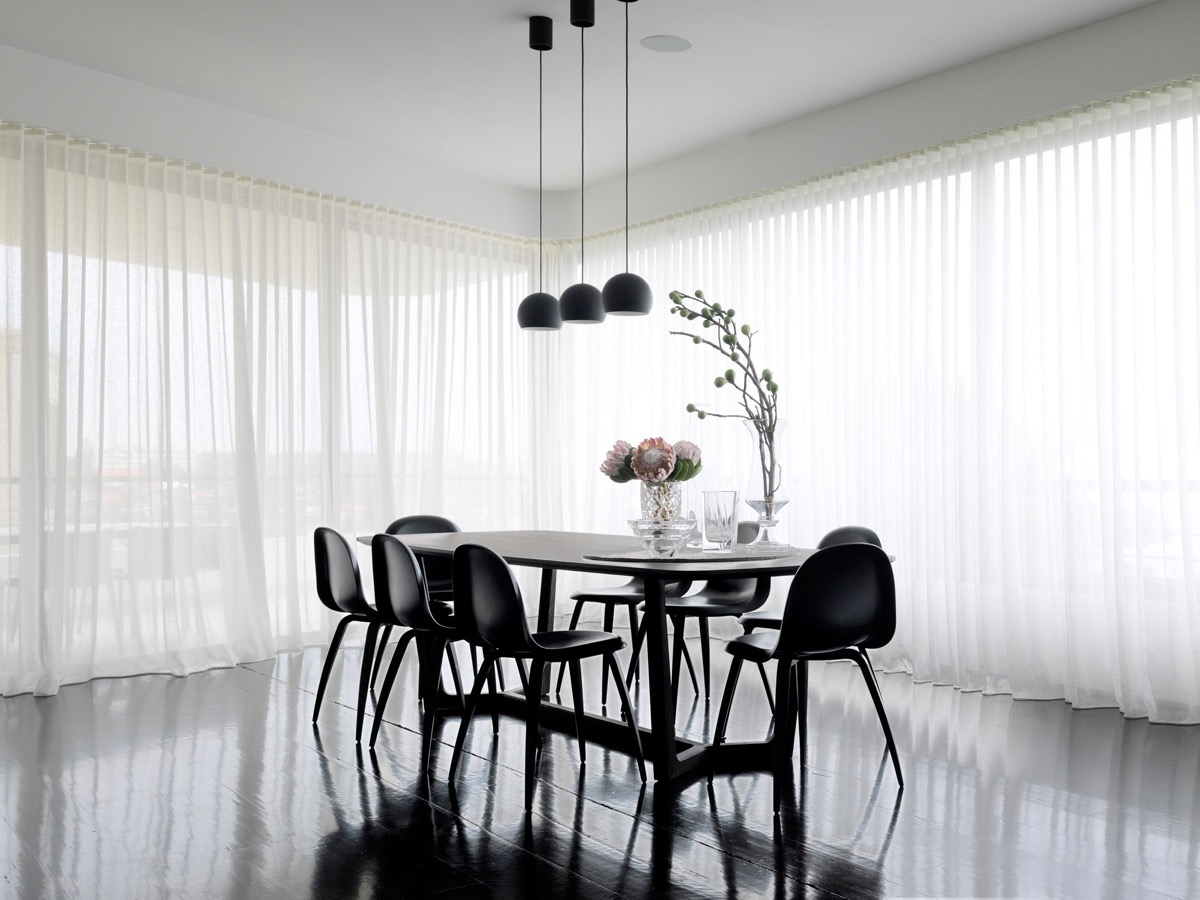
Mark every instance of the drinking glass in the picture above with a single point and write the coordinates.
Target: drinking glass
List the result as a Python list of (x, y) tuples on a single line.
[(720, 518)]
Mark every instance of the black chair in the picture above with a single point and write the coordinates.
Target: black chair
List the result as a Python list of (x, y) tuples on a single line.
[(401, 599), (339, 586), (628, 595), (718, 597), (489, 606), (770, 618), (842, 599), (436, 571)]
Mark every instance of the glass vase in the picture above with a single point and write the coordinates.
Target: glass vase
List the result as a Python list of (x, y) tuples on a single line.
[(765, 493), (661, 500)]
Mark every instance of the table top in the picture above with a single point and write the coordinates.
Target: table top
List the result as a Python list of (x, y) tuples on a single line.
[(574, 550)]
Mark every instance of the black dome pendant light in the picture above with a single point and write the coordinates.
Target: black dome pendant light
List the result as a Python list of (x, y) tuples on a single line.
[(539, 311), (582, 303), (627, 294)]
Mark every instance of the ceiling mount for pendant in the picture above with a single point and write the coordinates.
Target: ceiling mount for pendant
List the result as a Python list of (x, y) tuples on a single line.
[(539, 311)]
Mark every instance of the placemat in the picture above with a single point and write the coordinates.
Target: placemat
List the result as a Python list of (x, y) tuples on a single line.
[(741, 553)]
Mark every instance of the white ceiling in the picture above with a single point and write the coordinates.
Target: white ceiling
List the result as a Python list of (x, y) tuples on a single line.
[(455, 80)]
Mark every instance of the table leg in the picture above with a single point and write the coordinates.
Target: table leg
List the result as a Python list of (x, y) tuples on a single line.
[(661, 749), (545, 621)]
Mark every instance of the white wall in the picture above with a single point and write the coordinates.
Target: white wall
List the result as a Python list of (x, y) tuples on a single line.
[(47, 93), (1149, 45)]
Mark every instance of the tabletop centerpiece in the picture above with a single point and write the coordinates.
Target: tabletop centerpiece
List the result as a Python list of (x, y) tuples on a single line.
[(757, 395), (660, 467)]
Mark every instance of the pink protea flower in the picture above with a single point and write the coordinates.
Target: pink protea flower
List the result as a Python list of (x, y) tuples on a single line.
[(687, 450), (653, 460), (614, 459)]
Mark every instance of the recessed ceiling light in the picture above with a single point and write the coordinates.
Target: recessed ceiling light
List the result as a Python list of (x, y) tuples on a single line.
[(666, 43)]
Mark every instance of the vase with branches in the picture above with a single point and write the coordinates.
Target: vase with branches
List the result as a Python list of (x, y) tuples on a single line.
[(756, 390)]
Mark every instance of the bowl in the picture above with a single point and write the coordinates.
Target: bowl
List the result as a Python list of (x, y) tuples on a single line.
[(662, 538)]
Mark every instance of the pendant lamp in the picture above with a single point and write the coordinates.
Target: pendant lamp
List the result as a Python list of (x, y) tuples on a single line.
[(627, 294), (539, 311), (582, 304)]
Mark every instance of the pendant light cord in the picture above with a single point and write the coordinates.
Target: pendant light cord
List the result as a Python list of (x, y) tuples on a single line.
[(541, 260), (582, 188), (627, 136)]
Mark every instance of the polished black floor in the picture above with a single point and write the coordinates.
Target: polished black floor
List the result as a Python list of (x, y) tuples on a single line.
[(217, 785)]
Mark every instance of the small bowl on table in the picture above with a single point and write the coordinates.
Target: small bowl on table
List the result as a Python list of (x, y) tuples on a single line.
[(662, 538)]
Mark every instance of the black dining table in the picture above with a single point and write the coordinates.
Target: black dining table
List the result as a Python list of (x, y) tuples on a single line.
[(673, 757)]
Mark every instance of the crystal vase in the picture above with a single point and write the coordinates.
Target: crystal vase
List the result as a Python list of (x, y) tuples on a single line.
[(661, 500), (765, 493)]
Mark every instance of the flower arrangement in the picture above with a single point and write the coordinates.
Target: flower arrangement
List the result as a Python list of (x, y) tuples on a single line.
[(660, 467), (757, 390), (653, 461)]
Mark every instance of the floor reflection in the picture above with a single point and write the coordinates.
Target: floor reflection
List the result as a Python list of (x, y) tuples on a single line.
[(217, 785)]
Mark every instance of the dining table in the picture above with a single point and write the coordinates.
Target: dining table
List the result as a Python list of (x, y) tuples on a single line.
[(673, 757)]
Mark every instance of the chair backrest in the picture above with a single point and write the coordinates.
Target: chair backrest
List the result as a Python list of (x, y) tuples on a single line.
[(850, 534), (400, 595), (843, 596), (420, 524), (437, 570), (339, 584), (487, 600), (857, 534)]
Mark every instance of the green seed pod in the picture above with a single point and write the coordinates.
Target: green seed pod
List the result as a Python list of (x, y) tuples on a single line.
[(706, 312), (716, 307), (691, 316), (699, 294), (773, 388), (696, 339), (745, 329), (701, 414), (729, 339), (730, 375), (708, 323), (691, 407), (735, 356), (719, 381), (729, 313), (766, 374), (676, 296)]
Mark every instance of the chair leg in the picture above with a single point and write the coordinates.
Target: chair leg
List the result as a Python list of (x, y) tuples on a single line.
[(864, 664), (704, 652), (476, 689), (735, 669), (387, 633), (610, 660), (798, 720), (388, 680), (679, 624), (455, 674), (491, 679), (338, 632), (608, 626), (577, 696), (364, 679), (784, 685), (562, 669), (635, 635), (766, 683), (532, 725), (639, 637)]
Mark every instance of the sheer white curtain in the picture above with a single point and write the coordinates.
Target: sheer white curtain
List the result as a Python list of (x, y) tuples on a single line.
[(197, 370), (987, 352)]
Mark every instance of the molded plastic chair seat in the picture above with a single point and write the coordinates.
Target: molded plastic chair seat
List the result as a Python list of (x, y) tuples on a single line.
[(629, 595), (562, 646), (842, 597), (491, 611)]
